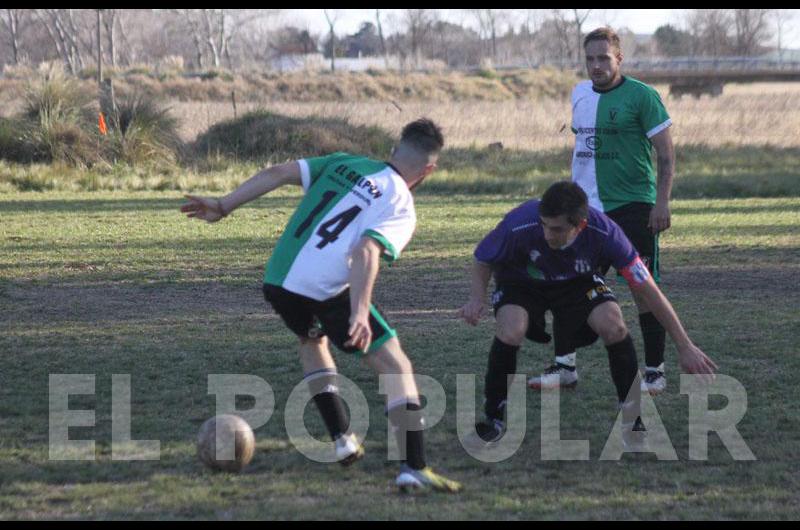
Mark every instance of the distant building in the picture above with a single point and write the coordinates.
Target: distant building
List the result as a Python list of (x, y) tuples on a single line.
[(297, 62)]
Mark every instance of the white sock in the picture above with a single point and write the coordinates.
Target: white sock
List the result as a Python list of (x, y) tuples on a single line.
[(566, 360), (659, 368)]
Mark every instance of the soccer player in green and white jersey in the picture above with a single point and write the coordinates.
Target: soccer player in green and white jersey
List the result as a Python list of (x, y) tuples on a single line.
[(322, 272), (617, 121)]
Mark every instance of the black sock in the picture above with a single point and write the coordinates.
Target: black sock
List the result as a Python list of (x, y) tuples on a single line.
[(502, 362), (625, 374), (403, 418), (324, 389), (655, 338)]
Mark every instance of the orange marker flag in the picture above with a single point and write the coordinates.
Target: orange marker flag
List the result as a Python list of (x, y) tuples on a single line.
[(101, 124)]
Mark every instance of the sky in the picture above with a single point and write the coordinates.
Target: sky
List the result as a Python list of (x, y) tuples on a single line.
[(638, 20)]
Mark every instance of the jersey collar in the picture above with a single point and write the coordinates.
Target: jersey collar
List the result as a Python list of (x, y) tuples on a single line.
[(610, 89)]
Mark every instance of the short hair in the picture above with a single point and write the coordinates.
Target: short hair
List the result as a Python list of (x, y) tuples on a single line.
[(605, 33), (423, 135), (565, 198)]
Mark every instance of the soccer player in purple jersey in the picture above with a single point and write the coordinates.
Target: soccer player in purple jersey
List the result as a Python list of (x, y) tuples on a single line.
[(546, 255)]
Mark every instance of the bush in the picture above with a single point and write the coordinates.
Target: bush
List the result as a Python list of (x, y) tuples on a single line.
[(13, 146), (57, 122), (141, 131), (264, 136)]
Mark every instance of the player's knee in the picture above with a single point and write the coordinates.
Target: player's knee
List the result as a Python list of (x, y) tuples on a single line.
[(511, 331), (614, 332), (400, 363)]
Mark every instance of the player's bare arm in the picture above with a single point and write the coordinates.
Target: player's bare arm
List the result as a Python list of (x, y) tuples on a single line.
[(660, 216), (363, 273), (474, 309), (212, 209), (691, 358)]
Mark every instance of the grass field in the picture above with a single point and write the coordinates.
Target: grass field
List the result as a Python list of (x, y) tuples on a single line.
[(120, 283)]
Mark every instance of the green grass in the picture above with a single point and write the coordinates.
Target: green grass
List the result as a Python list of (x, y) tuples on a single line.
[(702, 172), (121, 283)]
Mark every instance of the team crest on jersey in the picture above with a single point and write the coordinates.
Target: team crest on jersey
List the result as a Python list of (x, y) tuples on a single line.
[(594, 143), (582, 266), (612, 113), (534, 255)]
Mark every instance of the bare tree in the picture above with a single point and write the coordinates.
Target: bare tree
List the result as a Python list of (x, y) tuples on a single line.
[(751, 30), (418, 23), (579, 17), (489, 21), (380, 36), (531, 24), (192, 19), (563, 29), (332, 16), (710, 28), (61, 28), (14, 21)]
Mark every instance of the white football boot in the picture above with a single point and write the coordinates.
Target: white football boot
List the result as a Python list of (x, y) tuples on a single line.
[(348, 449)]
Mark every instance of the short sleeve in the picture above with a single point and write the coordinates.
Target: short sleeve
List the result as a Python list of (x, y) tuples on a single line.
[(497, 246), (394, 228), (312, 168), (618, 250), (652, 113)]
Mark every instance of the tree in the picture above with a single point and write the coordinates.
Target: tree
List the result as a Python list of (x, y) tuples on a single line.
[(364, 42), (579, 17), (672, 42), (455, 44), (751, 30), (711, 29), (380, 37), (561, 31), (332, 16), (292, 41), (418, 23), (213, 30), (489, 21), (63, 31), (14, 21)]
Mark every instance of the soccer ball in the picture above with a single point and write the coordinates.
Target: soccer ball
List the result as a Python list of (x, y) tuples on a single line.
[(237, 443)]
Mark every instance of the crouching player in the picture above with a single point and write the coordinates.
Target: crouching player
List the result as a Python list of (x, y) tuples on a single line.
[(545, 255)]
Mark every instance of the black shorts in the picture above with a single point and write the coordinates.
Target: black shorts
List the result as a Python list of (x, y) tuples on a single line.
[(571, 302), (309, 318), (633, 219)]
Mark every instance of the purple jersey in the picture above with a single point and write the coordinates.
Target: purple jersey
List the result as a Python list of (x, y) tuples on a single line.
[(518, 252)]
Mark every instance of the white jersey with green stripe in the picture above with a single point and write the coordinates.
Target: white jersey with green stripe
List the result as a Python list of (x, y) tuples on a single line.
[(347, 197), (612, 158)]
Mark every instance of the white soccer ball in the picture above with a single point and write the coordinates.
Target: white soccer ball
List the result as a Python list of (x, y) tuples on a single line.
[(237, 443)]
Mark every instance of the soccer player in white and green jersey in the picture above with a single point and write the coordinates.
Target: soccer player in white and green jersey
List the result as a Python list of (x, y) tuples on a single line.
[(322, 272), (617, 121)]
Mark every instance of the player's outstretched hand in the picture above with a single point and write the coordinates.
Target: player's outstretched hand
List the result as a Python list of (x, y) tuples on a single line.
[(360, 333), (203, 208), (472, 312), (694, 361)]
